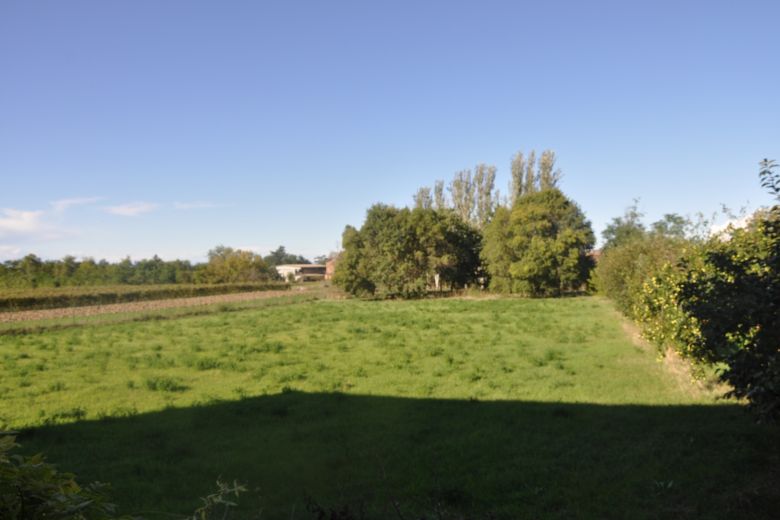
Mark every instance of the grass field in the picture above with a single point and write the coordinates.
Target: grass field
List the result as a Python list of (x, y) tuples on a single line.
[(508, 407)]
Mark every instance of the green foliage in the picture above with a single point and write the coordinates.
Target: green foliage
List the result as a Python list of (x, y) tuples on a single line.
[(625, 229), (719, 304), (225, 265), (280, 256), (30, 299), (423, 199), (715, 301), (770, 177), (31, 488), (32, 272), (399, 252), (540, 247), (228, 265), (623, 269)]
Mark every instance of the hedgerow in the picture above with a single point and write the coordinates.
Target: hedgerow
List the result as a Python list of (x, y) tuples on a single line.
[(717, 303), (33, 299)]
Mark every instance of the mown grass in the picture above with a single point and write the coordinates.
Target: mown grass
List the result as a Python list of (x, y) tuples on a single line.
[(515, 408)]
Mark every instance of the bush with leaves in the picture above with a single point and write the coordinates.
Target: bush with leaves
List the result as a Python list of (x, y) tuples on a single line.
[(31, 488), (228, 265), (627, 265), (720, 303)]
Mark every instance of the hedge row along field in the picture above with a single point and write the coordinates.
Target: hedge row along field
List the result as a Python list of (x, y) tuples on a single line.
[(36, 299), (714, 300)]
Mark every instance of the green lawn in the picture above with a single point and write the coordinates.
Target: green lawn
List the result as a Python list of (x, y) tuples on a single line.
[(515, 408)]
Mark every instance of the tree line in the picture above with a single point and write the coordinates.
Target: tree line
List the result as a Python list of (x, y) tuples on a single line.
[(224, 265), (535, 242), (713, 298)]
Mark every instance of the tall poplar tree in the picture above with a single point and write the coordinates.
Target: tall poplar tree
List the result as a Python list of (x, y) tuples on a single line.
[(516, 187), (423, 199), (530, 173), (486, 198), (462, 193), (548, 175), (439, 198)]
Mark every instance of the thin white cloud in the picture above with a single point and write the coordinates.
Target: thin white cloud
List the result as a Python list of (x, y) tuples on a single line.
[(63, 204), (20, 222), (194, 205), (131, 209), (723, 229), (9, 252)]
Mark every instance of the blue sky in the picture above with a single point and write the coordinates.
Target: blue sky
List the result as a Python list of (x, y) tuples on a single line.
[(170, 127)]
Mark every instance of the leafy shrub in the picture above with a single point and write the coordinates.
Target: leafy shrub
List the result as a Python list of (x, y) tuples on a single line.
[(623, 270), (719, 304), (31, 488)]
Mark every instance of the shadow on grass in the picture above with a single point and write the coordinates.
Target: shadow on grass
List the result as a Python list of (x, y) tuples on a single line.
[(510, 459)]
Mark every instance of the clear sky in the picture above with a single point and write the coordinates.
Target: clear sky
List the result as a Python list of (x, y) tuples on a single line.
[(143, 127)]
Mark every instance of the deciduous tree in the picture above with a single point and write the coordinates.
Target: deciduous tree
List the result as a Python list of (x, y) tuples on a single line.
[(540, 248)]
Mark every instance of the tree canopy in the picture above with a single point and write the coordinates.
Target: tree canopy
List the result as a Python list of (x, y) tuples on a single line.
[(228, 265), (403, 252), (280, 256), (540, 247)]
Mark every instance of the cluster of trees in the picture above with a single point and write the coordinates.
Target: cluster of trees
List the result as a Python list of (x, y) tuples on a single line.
[(225, 265), (713, 299), (228, 265), (31, 271), (535, 242), (280, 256), (404, 252), (473, 196)]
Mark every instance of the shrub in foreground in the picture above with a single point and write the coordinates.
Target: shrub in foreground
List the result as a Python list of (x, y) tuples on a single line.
[(31, 488)]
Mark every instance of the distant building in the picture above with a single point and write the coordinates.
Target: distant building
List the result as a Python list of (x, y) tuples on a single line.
[(301, 272), (330, 267)]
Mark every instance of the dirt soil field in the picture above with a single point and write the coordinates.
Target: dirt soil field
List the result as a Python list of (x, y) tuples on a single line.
[(152, 305)]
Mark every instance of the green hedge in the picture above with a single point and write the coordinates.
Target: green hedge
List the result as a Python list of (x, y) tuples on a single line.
[(721, 304), (715, 302), (36, 299), (622, 271)]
